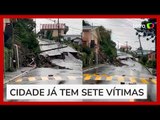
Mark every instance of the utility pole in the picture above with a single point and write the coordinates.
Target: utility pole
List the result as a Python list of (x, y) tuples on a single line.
[(92, 32), (13, 58), (140, 44), (118, 45), (95, 47), (59, 45), (35, 26), (127, 45), (12, 34), (58, 32), (96, 54)]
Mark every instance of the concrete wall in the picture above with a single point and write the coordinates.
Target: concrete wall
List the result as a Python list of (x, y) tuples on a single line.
[(151, 56), (88, 35), (55, 33)]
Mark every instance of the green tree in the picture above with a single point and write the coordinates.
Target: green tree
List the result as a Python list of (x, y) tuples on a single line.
[(144, 60), (49, 35), (107, 46), (151, 64), (87, 50), (23, 32)]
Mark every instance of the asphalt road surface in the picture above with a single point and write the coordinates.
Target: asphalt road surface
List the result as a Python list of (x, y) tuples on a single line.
[(131, 71), (75, 76)]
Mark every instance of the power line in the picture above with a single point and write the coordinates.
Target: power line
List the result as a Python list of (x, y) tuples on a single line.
[(76, 28), (69, 26), (114, 25), (52, 20)]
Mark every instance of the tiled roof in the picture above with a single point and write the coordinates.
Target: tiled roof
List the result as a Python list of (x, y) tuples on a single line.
[(53, 26)]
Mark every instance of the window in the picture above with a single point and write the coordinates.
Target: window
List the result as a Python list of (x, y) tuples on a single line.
[(92, 44)]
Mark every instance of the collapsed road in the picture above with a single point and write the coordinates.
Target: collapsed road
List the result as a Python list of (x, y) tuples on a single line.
[(58, 63)]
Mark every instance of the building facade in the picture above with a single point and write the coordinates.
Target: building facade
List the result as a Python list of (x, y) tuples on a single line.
[(152, 56), (54, 29), (71, 37), (5, 21), (90, 37)]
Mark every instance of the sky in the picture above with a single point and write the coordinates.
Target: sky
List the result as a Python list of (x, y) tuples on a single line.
[(122, 29)]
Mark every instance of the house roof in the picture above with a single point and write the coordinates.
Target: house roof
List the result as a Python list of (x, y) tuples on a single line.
[(152, 52), (124, 46), (71, 35), (89, 27), (145, 52), (53, 26)]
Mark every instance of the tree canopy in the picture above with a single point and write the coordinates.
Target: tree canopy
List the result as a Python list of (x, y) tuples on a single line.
[(23, 32), (107, 46)]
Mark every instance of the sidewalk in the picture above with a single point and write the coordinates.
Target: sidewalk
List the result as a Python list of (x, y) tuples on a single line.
[(9, 76)]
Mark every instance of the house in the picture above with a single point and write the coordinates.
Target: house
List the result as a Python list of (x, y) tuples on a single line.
[(54, 29), (5, 22), (73, 38), (77, 41), (7, 29), (125, 48), (70, 37), (152, 56), (138, 53), (90, 37)]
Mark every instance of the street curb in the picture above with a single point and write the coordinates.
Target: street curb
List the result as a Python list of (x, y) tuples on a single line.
[(150, 72), (18, 75), (147, 69)]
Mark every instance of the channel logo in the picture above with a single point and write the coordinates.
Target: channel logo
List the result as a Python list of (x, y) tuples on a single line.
[(149, 25)]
